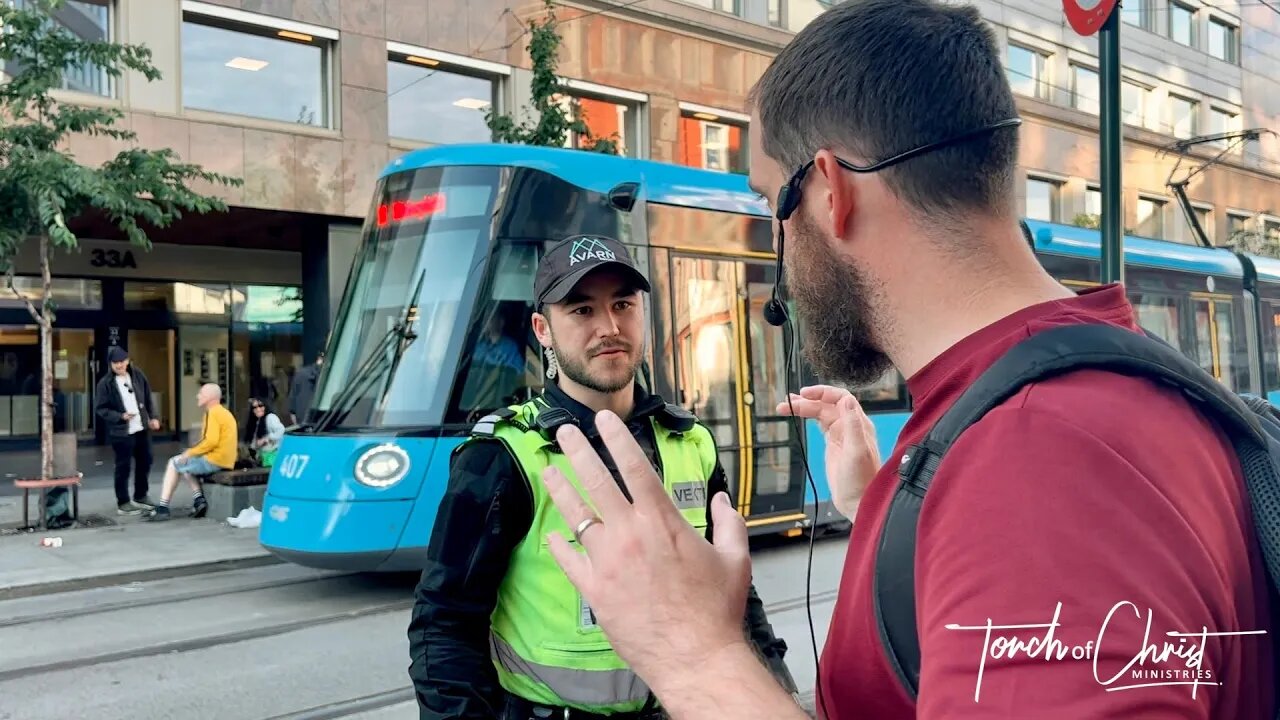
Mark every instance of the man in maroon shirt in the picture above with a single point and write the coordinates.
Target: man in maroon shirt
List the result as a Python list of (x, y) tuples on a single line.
[(1094, 512)]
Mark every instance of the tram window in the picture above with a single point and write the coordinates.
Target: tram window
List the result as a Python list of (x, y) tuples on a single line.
[(1224, 322), (501, 365), (1271, 345), (1203, 341), (1159, 314), (1214, 339)]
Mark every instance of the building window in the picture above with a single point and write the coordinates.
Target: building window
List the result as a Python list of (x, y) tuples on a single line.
[(1271, 230), (65, 293), (1206, 223), (712, 139), (1182, 116), (87, 20), (1026, 72), (1084, 89), (1222, 121), (1093, 201), (1223, 41), (241, 68), (1150, 218), (1043, 199), (775, 13), (729, 6), (1133, 104), (1237, 225), (1182, 23), (433, 103), (606, 118), (1139, 13)]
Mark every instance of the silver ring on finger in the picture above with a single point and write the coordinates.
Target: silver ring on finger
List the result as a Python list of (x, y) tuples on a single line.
[(582, 527)]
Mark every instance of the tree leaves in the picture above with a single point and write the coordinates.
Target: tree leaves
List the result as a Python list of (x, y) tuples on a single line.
[(554, 121), (42, 185)]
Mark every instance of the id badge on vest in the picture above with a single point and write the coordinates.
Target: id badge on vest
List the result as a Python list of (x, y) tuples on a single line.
[(586, 616)]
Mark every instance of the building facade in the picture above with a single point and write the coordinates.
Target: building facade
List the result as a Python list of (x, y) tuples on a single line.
[(307, 100)]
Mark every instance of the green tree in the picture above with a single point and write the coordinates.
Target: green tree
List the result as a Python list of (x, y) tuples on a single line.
[(42, 186), (553, 124)]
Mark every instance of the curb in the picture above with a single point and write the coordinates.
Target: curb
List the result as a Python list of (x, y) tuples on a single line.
[(164, 573)]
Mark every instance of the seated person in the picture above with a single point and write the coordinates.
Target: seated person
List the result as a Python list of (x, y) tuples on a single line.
[(215, 452), (263, 432)]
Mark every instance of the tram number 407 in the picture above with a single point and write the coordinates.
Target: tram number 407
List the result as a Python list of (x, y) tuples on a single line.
[(293, 465)]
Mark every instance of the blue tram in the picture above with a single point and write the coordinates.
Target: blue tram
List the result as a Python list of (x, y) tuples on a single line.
[(434, 332)]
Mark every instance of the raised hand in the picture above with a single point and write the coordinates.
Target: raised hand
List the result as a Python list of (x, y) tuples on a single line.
[(666, 598), (852, 455)]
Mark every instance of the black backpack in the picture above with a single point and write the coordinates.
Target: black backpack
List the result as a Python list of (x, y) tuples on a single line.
[(1251, 423)]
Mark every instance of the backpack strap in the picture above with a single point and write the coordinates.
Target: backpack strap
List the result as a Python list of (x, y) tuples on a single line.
[(1044, 355)]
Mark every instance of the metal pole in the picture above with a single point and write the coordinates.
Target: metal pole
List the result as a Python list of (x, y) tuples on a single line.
[(1111, 136)]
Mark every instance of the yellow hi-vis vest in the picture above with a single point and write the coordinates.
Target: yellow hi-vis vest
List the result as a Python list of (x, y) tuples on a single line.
[(544, 640)]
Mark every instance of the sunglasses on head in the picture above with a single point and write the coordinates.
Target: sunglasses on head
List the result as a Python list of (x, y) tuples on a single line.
[(789, 195)]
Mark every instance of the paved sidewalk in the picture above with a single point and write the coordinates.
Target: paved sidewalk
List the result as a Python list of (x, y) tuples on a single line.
[(106, 548)]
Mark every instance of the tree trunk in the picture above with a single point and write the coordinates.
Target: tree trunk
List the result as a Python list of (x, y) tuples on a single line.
[(46, 366)]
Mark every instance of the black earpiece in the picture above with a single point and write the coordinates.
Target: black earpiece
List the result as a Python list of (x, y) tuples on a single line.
[(775, 311)]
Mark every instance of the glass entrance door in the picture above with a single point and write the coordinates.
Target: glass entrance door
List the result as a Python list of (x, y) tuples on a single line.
[(731, 370), (151, 351)]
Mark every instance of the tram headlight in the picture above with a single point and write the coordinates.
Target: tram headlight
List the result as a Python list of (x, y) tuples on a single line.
[(382, 466)]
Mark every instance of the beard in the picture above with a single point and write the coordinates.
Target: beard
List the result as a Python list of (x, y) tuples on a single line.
[(835, 301), (617, 373)]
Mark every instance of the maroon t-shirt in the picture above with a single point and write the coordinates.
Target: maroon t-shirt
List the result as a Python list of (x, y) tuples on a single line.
[(1079, 495)]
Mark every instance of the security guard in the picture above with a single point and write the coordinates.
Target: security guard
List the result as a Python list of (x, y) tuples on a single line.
[(498, 631)]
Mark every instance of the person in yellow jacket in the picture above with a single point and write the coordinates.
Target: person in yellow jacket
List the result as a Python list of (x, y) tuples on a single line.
[(215, 452)]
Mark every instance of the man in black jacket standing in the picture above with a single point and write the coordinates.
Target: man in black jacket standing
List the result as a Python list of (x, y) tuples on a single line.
[(123, 404)]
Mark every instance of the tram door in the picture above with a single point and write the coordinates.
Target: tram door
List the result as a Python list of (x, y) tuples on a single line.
[(731, 372)]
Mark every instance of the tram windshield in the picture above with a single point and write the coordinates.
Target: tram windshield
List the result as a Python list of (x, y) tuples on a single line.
[(428, 235)]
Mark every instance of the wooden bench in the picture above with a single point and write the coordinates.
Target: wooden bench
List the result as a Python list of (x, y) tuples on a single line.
[(247, 476), (231, 491), (43, 486)]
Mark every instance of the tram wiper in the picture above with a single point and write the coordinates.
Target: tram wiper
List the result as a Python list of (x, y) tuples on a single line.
[(386, 355)]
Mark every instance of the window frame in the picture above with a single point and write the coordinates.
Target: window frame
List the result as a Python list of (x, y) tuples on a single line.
[(1076, 67), (224, 18), (1144, 116), (1056, 184), (711, 116), (497, 74), (1195, 113), (1044, 89), (1161, 204), (636, 147), (1232, 26), (1192, 25), (113, 95)]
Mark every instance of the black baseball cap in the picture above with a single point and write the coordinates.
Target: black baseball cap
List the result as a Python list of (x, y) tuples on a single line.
[(117, 354), (571, 259)]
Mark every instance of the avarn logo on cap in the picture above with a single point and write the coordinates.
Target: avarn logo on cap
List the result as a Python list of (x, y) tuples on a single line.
[(589, 248)]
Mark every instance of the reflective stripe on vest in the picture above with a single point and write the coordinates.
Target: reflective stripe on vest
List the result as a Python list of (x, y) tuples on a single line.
[(545, 643), (591, 688)]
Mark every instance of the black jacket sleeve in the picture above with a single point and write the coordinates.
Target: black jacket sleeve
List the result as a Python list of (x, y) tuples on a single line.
[(102, 403), (771, 648), (485, 513)]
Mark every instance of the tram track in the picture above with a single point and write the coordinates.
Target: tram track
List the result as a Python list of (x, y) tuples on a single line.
[(142, 602), (242, 634), (203, 643), (348, 708)]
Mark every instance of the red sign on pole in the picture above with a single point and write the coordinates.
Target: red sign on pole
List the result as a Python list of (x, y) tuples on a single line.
[(1087, 16)]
